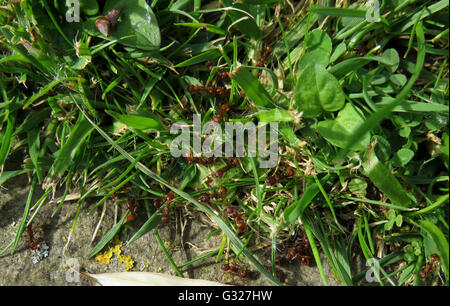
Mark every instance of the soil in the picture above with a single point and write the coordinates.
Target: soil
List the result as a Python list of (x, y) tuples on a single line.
[(184, 245)]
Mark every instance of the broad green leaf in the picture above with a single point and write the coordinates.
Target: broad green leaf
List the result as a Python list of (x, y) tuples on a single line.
[(319, 40), (316, 91), (252, 87), (389, 225), (318, 56), (275, 115), (138, 121), (398, 79), (399, 220), (402, 157), (385, 180), (391, 55), (339, 130), (136, 20), (357, 186)]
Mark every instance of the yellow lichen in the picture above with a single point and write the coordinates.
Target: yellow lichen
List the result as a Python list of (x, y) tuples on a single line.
[(105, 258), (129, 262)]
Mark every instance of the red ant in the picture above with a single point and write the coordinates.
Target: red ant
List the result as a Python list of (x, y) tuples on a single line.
[(166, 211), (279, 274), (209, 90), (263, 58), (235, 270), (223, 75), (32, 242), (223, 110), (131, 209), (232, 213), (199, 160), (234, 163), (165, 218), (426, 269), (299, 250), (205, 197), (209, 65), (170, 196), (158, 203), (273, 180), (223, 191)]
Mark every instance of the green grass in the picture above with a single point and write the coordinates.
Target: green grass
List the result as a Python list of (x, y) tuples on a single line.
[(362, 109)]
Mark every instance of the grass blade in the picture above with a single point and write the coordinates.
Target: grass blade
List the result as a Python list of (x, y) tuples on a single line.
[(108, 237)]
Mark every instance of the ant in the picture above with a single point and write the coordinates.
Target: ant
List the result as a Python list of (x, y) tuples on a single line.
[(299, 250), (293, 250), (206, 197), (223, 110), (158, 203), (426, 269), (263, 58), (209, 90), (279, 274), (232, 213), (198, 160), (234, 163), (233, 269), (132, 209), (32, 243), (273, 180), (166, 211), (170, 196), (223, 75)]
